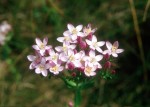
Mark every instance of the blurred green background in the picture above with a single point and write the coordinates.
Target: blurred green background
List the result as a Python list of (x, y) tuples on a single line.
[(115, 20)]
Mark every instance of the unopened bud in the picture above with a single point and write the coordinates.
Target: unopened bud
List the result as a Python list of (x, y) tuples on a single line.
[(106, 56), (107, 65), (83, 45), (113, 71), (71, 66), (74, 74), (89, 37)]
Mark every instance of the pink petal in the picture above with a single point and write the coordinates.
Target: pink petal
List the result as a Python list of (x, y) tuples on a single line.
[(35, 47), (45, 40), (38, 41), (79, 27), (58, 48), (116, 44), (108, 45), (119, 50), (70, 27), (60, 68), (31, 57)]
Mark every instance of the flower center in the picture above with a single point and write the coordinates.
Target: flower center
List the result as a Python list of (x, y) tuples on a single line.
[(42, 46), (74, 31), (55, 68), (41, 67), (71, 58), (54, 57), (113, 49), (88, 69)]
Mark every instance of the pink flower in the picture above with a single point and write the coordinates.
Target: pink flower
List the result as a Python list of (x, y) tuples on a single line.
[(34, 59), (4, 29), (65, 47), (94, 59), (53, 56), (74, 31), (88, 30), (94, 44), (89, 69), (55, 68), (42, 67), (67, 38), (113, 49), (41, 46)]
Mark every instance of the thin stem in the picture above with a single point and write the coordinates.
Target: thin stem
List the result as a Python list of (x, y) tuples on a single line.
[(77, 98), (146, 10), (139, 39)]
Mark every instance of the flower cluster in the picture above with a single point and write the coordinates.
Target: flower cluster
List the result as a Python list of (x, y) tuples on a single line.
[(4, 29), (80, 51)]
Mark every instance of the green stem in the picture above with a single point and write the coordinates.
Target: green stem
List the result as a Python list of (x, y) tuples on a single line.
[(77, 98)]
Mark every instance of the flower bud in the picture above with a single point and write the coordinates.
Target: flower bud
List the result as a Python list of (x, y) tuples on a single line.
[(106, 56), (71, 66), (107, 65), (83, 45), (89, 37), (74, 74), (79, 39), (113, 72)]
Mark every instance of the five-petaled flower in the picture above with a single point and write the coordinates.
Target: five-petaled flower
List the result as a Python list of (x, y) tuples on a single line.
[(113, 49)]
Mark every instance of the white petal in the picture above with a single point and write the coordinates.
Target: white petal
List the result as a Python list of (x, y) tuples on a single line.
[(67, 33), (60, 39), (94, 39), (99, 57), (72, 46), (74, 37), (31, 66), (37, 70), (108, 45), (100, 43), (31, 57), (119, 50), (107, 51), (99, 49), (92, 73), (81, 34), (70, 27), (58, 48), (114, 55), (92, 53), (60, 68), (79, 27), (38, 41), (88, 42), (44, 73)]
